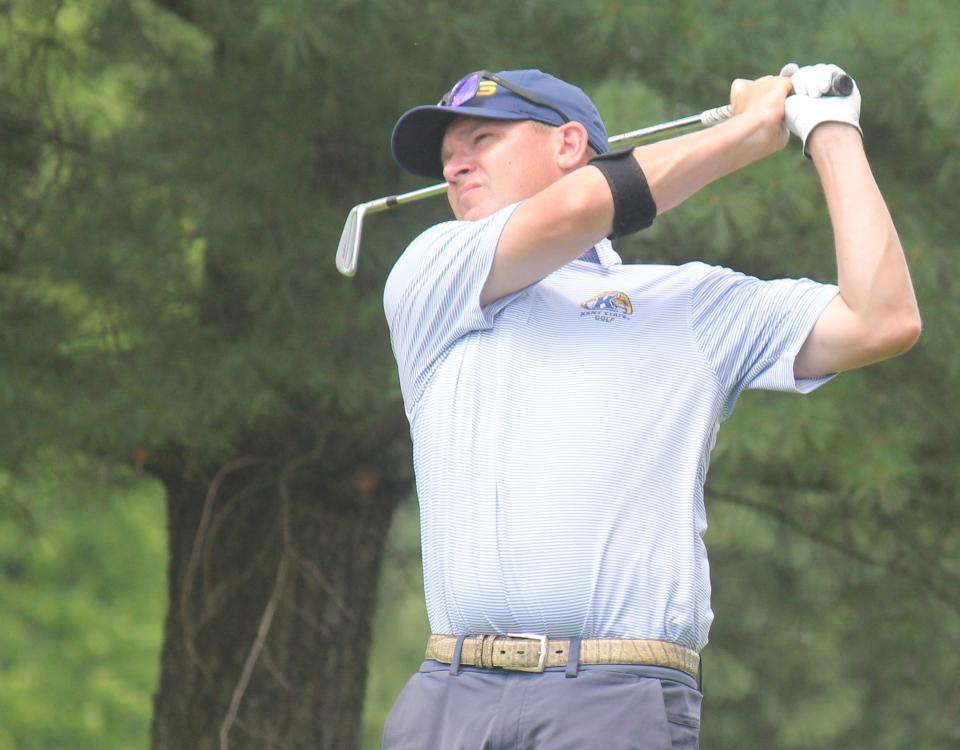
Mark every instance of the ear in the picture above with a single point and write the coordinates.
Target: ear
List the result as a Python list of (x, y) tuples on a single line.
[(572, 146)]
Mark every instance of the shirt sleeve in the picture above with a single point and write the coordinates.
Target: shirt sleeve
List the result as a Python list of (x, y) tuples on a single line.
[(432, 295), (752, 330)]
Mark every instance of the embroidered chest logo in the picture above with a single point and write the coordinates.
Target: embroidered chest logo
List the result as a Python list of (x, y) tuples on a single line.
[(607, 307)]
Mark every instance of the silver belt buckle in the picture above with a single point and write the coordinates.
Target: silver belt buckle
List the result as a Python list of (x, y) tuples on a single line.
[(541, 657)]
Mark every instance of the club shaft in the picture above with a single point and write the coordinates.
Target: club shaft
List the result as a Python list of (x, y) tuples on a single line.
[(348, 250), (623, 140)]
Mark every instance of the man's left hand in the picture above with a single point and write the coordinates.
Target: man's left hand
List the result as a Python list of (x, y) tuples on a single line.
[(812, 105)]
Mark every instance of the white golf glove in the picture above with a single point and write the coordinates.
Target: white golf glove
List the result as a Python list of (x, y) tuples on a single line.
[(811, 104)]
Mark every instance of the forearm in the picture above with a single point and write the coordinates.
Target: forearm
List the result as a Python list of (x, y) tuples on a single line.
[(577, 211), (677, 168), (871, 268), (875, 316)]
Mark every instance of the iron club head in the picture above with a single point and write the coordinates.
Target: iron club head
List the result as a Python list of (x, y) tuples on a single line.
[(348, 250)]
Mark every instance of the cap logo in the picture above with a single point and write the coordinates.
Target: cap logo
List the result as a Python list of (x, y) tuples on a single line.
[(486, 88)]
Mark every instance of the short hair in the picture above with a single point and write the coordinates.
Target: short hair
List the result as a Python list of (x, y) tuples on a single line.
[(545, 126)]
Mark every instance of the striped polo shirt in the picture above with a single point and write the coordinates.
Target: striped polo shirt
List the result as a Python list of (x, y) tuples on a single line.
[(562, 434)]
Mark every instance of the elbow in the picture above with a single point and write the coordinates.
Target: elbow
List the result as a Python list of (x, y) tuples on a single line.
[(912, 329), (899, 334), (909, 328)]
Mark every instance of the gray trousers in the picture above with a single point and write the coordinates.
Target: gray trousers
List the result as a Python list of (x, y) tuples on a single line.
[(608, 707)]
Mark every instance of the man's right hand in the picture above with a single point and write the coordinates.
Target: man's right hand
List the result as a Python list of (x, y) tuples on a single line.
[(764, 99)]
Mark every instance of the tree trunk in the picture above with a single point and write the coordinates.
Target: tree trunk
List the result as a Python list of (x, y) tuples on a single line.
[(272, 579)]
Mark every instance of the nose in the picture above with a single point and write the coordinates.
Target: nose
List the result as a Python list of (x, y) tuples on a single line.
[(458, 165)]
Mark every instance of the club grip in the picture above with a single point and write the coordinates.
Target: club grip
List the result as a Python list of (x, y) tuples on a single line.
[(842, 85)]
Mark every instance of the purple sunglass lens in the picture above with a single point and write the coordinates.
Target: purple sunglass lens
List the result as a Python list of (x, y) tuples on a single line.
[(464, 91)]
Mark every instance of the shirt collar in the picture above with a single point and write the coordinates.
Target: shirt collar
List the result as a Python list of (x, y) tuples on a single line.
[(603, 254)]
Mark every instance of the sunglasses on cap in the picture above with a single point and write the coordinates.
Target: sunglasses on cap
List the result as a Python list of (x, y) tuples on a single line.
[(469, 86)]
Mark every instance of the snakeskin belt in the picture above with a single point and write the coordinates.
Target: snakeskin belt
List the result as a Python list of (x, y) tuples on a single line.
[(534, 653)]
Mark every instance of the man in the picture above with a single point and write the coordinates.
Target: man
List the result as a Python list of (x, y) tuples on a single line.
[(563, 405)]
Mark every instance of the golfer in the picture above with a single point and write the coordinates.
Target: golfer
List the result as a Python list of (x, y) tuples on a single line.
[(563, 405)]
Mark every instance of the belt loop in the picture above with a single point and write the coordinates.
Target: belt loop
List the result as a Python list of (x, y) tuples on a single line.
[(573, 658), (700, 675), (457, 651)]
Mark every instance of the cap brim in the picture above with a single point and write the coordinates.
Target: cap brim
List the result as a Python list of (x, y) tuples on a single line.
[(418, 135)]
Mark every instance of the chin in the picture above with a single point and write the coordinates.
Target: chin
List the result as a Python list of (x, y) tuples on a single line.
[(480, 211)]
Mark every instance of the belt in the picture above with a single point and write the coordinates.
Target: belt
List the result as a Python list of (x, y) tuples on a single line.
[(534, 653)]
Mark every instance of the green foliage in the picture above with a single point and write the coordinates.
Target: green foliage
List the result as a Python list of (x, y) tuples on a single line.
[(401, 629), (82, 560)]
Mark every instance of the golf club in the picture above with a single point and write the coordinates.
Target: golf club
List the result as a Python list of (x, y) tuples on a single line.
[(348, 251)]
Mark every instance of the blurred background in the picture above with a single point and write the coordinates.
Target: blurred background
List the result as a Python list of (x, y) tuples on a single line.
[(208, 531)]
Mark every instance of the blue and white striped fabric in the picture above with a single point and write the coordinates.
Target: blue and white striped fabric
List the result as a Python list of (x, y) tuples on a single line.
[(562, 434)]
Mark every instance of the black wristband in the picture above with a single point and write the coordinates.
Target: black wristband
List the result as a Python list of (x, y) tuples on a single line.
[(633, 206)]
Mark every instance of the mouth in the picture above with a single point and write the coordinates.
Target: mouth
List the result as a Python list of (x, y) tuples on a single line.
[(466, 189)]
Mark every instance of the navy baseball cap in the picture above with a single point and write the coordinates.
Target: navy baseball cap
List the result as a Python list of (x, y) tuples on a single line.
[(507, 95)]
